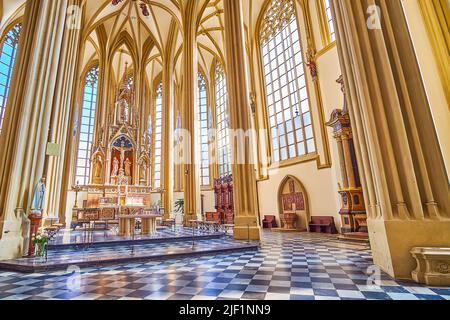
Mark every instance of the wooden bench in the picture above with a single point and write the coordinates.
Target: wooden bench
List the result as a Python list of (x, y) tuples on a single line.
[(322, 225)]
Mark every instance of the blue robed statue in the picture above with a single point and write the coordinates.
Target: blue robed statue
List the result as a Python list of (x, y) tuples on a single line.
[(37, 205)]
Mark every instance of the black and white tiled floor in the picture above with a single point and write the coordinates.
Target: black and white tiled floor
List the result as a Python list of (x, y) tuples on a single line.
[(288, 267)]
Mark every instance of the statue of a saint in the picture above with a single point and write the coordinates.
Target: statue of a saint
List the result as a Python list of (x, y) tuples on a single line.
[(37, 205), (128, 168), (115, 171), (97, 167), (124, 111), (143, 171)]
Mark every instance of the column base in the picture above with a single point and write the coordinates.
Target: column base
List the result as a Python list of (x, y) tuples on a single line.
[(247, 228), (12, 241), (392, 242)]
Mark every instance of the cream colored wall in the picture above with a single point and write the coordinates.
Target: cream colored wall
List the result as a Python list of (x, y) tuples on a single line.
[(209, 201), (11, 9), (430, 74), (319, 184)]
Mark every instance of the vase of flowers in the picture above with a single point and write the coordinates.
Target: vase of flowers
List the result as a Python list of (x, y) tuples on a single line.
[(40, 241)]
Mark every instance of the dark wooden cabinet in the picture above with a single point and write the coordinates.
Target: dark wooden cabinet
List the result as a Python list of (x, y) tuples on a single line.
[(224, 203)]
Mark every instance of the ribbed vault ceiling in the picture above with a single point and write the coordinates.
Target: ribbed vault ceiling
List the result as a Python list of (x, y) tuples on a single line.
[(125, 34)]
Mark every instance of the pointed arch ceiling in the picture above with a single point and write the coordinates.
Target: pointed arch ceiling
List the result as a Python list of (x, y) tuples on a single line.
[(127, 17)]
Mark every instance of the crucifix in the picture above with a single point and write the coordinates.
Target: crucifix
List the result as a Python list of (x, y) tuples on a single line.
[(122, 149)]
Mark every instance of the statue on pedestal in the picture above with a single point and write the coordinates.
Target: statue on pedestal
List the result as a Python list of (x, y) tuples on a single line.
[(128, 168), (115, 171), (37, 205), (124, 111), (97, 169)]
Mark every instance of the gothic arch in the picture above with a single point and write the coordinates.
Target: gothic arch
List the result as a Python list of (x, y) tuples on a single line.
[(306, 207)]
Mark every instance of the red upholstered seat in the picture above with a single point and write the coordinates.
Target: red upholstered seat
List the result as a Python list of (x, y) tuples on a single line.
[(269, 222)]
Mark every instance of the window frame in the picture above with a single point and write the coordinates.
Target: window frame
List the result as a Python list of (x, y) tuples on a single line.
[(15, 29), (307, 156), (206, 114), (325, 22), (222, 133), (93, 108), (157, 96)]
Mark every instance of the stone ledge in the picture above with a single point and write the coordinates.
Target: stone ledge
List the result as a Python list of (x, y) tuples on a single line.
[(433, 266)]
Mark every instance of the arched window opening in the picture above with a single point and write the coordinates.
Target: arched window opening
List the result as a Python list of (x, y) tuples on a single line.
[(87, 127), (287, 101), (7, 61), (223, 123), (158, 136), (204, 134)]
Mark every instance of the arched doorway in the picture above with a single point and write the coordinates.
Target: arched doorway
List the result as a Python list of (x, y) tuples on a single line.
[(293, 205)]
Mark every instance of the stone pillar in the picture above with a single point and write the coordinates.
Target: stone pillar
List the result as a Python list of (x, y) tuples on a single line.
[(29, 111), (189, 113), (244, 176), (65, 97), (167, 173), (401, 164)]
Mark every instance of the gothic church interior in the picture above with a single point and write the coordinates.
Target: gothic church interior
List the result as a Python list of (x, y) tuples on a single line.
[(226, 130)]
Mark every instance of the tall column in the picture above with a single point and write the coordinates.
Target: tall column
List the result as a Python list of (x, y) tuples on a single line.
[(64, 99), (401, 164), (167, 173), (243, 168), (29, 111), (190, 124)]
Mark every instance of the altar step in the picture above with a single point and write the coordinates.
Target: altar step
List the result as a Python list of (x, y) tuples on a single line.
[(100, 239), (61, 259), (358, 237)]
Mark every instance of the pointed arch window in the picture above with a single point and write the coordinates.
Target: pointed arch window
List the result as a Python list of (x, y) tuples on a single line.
[(87, 127), (287, 100), (204, 134), (223, 123), (9, 48), (158, 136)]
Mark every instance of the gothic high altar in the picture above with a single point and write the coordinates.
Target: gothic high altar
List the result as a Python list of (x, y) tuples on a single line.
[(120, 179), (121, 155)]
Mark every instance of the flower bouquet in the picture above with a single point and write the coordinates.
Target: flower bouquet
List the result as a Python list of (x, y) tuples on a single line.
[(40, 241)]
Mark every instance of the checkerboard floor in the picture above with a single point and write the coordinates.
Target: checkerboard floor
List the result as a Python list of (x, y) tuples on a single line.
[(288, 267)]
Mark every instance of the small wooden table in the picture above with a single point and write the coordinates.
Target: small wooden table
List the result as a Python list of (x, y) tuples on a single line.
[(127, 224)]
